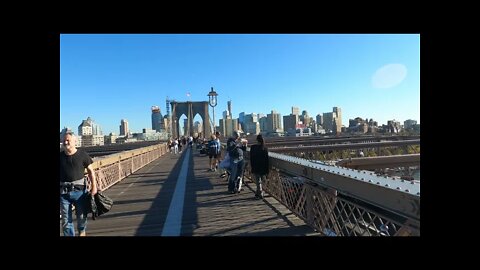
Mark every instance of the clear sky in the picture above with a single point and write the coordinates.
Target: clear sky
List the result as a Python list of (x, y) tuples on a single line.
[(110, 77)]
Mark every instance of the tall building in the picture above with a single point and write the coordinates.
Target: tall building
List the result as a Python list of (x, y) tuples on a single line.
[(328, 121), (274, 121), (124, 127), (290, 122), (166, 123), (197, 127), (241, 120), (95, 128), (226, 115), (295, 110), (305, 118), (157, 119), (338, 115), (90, 133), (229, 106), (262, 120), (251, 124), (319, 119), (85, 128), (332, 121), (227, 126), (393, 126)]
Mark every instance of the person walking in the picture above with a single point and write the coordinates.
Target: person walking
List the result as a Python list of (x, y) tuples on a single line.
[(259, 164), (213, 149), (73, 163), (235, 150)]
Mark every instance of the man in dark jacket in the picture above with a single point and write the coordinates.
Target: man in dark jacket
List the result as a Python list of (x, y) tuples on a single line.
[(235, 151), (259, 164)]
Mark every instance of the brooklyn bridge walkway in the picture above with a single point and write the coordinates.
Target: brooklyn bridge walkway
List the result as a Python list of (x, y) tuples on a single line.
[(176, 195)]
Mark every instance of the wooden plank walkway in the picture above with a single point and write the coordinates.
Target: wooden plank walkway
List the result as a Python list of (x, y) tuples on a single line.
[(142, 201)]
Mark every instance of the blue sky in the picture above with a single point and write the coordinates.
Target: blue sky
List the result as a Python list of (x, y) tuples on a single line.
[(110, 77)]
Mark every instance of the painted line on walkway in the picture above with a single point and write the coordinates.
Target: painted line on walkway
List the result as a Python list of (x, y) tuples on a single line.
[(173, 223)]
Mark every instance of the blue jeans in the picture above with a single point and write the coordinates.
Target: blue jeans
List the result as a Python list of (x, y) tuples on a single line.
[(77, 198), (237, 170)]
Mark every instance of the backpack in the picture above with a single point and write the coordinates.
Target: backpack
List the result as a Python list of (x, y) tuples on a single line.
[(212, 147)]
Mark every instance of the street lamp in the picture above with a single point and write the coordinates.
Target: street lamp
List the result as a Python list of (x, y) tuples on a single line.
[(212, 100)]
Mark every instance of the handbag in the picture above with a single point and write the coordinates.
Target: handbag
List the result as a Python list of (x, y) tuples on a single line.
[(225, 163), (98, 204)]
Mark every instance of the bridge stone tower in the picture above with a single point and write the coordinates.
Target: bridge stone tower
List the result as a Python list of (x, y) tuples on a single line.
[(190, 109)]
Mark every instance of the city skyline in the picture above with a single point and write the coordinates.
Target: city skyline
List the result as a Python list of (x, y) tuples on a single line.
[(114, 77)]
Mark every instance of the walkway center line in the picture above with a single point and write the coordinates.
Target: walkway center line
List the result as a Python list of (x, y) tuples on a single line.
[(173, 223)]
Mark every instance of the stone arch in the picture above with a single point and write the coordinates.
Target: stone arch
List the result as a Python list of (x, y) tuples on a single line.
[(190, 109)]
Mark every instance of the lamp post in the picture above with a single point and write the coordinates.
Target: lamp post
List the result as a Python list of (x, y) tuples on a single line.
[(212, 100)]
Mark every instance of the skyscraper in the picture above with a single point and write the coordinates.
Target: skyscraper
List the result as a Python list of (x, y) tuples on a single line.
[(295, 110), (89, 127), (338, 112), (319, 119), (96, 130), (229, 106), (274, 121), (124, 127), (85, 128), (157, 119)]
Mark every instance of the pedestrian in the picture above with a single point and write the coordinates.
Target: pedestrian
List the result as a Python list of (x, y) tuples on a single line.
[(73, 163), (213, 148), (235, 150), (219, 152), (259, 164)]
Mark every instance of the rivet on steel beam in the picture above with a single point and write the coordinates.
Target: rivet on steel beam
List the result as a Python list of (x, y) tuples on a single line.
[(407, 190), (378, 183), (413, 182), (370, 181), (398, 188), (418, 193), (363, 179), (387, 185)]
